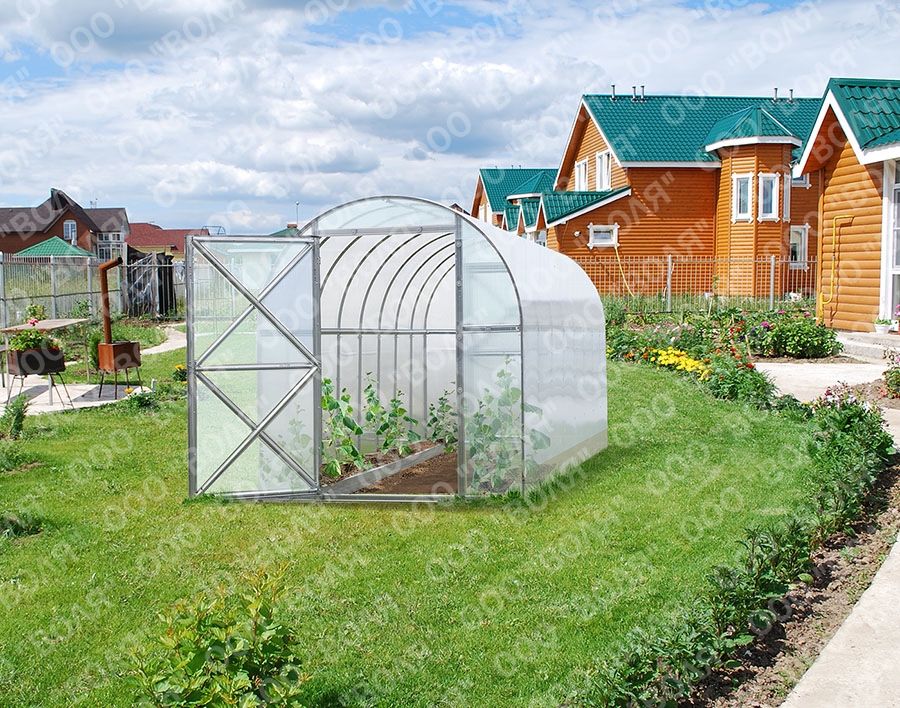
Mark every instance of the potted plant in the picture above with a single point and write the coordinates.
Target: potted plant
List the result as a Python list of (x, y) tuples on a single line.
[(32, 351), (882, 325)]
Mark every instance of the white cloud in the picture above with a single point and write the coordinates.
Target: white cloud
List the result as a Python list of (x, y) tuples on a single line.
[(178, 113)]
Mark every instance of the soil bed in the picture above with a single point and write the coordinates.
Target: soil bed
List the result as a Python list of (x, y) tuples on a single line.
[(843, 569), (434, 476)]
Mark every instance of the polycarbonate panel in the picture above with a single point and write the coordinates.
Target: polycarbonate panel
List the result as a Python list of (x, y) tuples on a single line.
[(219, 430), (489, 297), (254, 263), (379, 212), (492, 408), (564, 356)]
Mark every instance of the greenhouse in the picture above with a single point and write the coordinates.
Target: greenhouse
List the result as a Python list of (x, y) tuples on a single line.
[(393, 349)]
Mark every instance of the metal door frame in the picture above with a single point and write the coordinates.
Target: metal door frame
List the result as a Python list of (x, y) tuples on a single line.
[(313, 365)]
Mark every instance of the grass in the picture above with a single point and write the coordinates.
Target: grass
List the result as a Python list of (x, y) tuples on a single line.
[(485, 604)]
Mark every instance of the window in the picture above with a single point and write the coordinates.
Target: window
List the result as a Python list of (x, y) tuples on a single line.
[(802, 181), (798, 246), (768, 197), (601, 236), (581, 176), (70, 231), (603, 171), (740, 191), (482, 211)]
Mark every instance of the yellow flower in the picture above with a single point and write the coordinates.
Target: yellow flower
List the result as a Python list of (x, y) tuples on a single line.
[(129, 390)]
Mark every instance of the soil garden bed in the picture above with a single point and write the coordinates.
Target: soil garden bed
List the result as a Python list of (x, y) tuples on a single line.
[(434, 476), (843, 569)]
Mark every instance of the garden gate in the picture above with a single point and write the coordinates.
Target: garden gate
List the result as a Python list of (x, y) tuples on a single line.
[(254, 365)]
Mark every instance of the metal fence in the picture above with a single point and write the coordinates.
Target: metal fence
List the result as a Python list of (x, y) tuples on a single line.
[(672, 283), (61, 283)]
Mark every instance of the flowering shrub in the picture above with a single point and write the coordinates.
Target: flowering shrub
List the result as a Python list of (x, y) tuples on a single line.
[(796, 335)]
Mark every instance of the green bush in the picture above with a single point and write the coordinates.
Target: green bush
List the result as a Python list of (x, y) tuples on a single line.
[(231, 650), (795, 335), (734, 379), (13, 419)]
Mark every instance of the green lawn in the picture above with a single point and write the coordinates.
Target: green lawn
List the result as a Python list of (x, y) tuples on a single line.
[(468, 605)]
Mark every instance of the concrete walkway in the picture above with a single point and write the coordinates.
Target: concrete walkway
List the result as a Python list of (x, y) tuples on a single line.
[(860, 665), (84, 395)]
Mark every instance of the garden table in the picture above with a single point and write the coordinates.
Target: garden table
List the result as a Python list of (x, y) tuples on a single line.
[(49, 325)]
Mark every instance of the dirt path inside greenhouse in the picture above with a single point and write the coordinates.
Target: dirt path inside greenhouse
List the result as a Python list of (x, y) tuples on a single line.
[(842, 572), (434, 476)]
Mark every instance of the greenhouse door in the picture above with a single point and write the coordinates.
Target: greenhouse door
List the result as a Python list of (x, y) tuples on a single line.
[(253, 357)]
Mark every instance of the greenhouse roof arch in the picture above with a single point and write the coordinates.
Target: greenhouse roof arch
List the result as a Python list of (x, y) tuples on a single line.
[(421, 304)]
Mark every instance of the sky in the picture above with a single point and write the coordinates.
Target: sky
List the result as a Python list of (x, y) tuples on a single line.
[(197, 113)]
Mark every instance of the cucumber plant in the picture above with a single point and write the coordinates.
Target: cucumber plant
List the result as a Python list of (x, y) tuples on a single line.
[(339, 432)]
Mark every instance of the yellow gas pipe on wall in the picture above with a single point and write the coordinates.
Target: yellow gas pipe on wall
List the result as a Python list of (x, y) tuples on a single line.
[(834, 232)]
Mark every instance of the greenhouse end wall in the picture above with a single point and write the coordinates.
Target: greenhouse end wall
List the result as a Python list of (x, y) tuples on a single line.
[(411, 303)]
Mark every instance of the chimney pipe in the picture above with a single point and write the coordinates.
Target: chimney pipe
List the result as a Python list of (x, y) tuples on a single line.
[(791, 98), (104, 297), (642, 93), (775, 98), (634, 93), (613, 96)]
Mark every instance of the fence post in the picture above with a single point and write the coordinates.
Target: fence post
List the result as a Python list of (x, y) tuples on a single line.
[(669, 282), (90, 288), (3, 320), (772, 283), (53, 287)]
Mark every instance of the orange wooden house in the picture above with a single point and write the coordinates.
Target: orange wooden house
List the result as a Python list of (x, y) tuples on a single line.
[(704, 178), (854, 152)]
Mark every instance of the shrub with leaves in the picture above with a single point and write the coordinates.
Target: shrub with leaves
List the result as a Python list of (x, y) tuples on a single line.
[(228, 650), (13, 419), (17, 525)]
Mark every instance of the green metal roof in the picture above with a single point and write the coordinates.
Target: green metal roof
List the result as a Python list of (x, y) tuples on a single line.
[(542, 182), (750, 122), (289, 231), (558, 205), (499, 183), (54, 246), (512, 216), (674, 128), (872, 107), (530, 211)]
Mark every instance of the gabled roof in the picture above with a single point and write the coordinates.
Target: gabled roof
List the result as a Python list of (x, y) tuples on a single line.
[(868, 111), (287, 231), (559, 206), (673, 129), (871, 107), (150, 236), (32, 220), (511, 216), (499, 183), (752, 124), (54, 246), (530, 211), (542, 182), (108, 219)]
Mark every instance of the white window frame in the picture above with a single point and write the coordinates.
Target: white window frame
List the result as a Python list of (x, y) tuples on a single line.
[(802, 262), (603, 165), (581, 176), (786, 208), (736, 214), (482, 211), (801, 181), (765, 178), (70, 225), (603, 235)]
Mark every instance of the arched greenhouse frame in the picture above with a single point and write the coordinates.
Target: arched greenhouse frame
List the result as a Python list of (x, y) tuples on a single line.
[(414, 316)]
